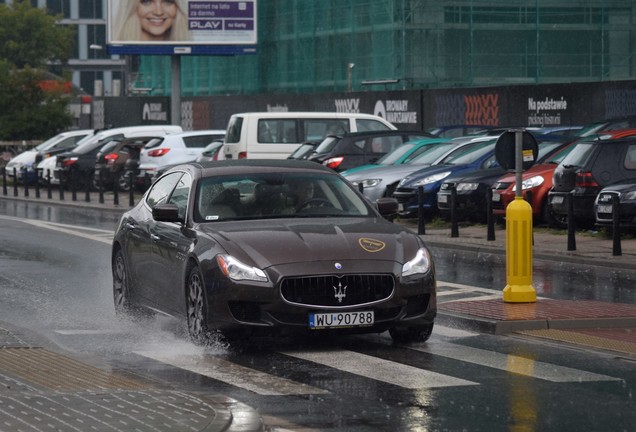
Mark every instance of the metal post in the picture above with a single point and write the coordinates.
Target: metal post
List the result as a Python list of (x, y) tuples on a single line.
[(38, 174), (26, 183), (421, 227), (131, 190), (101, 186), (49, 191), (616, 227), (15, 182), (490, 222), (87, 187), (453, 213), (4, 182), (571, 238)]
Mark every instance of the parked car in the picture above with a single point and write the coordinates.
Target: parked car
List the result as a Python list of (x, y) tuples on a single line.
[(275, 135), (537, 182), (76, 167), (113, 159), (241, 262), (174, 149), (381, 181), (590, 166), (479, 156), (625, 190), (345, 151), (401, 154), (472, 187), (304, 150), (25, 164), (456, 131), (210, 152)]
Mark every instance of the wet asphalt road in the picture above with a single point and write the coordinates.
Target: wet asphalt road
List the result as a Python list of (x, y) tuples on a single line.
[(58, 284)]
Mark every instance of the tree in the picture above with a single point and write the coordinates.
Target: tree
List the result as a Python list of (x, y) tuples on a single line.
[(31, 41)]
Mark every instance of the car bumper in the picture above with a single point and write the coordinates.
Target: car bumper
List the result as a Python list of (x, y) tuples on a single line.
[(286, 305), (583, 204)]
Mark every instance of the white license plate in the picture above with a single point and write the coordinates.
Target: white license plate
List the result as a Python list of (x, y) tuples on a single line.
[(400, 207), (442, 198), (496, 197), (557, 200), (341, 319), (604, 209)]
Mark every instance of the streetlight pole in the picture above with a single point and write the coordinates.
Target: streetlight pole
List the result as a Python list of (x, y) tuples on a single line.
[(349, 67)]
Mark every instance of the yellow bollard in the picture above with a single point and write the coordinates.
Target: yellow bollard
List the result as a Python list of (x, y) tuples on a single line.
[(519, 287)]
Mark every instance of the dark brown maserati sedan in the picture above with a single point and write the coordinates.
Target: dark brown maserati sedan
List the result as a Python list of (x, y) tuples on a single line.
[(253, 246)]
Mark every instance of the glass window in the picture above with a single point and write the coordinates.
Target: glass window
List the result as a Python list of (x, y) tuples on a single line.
[(198, 141), (275, 131), (318, 129), (162, 188), (270, 195), (180, 194), (579, 155), (370, 125), (630, 158), (233, 134)]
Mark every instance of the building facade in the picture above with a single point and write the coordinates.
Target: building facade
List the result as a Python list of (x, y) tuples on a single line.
[(317, 46)]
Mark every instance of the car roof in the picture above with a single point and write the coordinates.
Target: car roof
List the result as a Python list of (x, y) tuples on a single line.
[(228, 167)]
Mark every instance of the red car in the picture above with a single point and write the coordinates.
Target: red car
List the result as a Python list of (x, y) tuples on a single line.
[(537, 182)]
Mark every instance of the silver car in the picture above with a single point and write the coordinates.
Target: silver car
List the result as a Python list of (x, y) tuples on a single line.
[(381, 181)]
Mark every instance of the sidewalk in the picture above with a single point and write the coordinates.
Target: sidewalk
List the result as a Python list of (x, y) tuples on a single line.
[(600, 325)]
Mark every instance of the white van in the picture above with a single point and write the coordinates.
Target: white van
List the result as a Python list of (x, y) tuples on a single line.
[(275, 135)]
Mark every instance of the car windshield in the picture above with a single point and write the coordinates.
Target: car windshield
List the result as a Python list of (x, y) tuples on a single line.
[(579, 155), (432, 153), (327, 144), (395, 155), (272, 195), (470, 155)]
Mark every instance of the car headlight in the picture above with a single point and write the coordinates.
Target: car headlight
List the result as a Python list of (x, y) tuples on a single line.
[(236, 270), (418, 265), (368, 183), (629, 196), (467, 186), (432, 179), (530, 183)]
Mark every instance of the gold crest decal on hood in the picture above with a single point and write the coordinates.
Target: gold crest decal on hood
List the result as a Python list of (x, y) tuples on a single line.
[(371, 245)]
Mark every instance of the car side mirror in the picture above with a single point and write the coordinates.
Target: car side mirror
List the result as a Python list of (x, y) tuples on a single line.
[(166, 213), (387, 207)]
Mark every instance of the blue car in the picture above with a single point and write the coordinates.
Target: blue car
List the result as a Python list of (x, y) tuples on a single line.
[(479, 156)]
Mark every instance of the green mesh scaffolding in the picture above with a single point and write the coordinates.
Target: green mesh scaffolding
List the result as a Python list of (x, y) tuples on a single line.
[(307, 46)]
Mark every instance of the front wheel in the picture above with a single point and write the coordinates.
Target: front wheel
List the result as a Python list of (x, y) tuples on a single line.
[(121, 293), (411, 334), (197, 310)]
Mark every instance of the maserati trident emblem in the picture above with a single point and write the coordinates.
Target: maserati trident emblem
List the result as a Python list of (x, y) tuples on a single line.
[(340, 292)]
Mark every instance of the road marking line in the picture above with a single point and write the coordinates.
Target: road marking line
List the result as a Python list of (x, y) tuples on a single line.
[(67, 229), (495, 360), (236, 375), (452, 332), (379, 369)]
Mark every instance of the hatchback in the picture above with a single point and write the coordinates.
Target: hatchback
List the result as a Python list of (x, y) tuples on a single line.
[(625, 191), (590, 166), (174, 149), (346, 151)]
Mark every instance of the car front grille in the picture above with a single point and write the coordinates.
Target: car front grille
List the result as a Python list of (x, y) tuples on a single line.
[(404, 195), (335, 291)]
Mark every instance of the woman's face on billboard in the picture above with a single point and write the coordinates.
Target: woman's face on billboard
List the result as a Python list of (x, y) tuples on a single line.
[(156, 18)]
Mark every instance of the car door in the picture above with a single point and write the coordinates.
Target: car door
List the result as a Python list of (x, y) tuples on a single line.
[(140, 243), (170, 245)]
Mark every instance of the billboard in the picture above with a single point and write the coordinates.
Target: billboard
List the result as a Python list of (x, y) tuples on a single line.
[(182, 27)]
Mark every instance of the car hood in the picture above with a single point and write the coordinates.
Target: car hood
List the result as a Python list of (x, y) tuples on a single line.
[(536, 170), (382, 172), (487, 176), (266, 243), (24, 157)]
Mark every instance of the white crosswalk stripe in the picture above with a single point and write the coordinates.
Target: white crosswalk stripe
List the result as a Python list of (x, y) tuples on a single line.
[(510, 363), (237, 375), (378, 369)]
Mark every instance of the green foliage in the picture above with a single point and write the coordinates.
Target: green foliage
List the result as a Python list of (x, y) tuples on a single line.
[(31, 40)]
